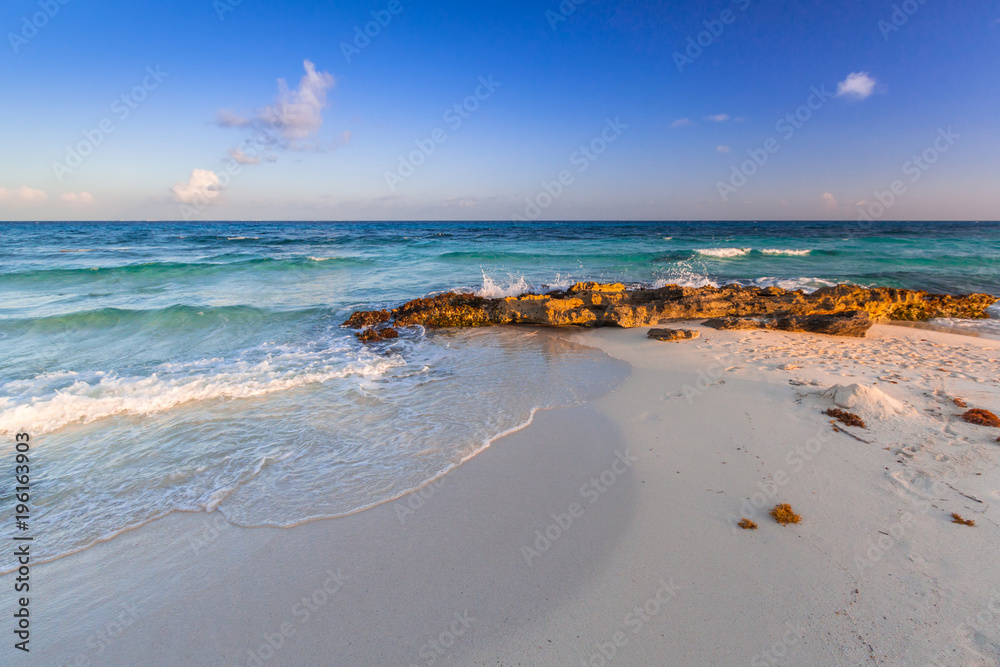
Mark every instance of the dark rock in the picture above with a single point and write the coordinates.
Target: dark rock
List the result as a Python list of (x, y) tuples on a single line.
[(851, 323), (673, 334), (377, 335), (369, 318)]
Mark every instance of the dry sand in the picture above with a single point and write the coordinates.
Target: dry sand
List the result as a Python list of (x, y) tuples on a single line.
[(639, 493)]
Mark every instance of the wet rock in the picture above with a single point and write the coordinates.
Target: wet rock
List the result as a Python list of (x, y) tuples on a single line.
[(673, 334), (369, 318), (377, 335)]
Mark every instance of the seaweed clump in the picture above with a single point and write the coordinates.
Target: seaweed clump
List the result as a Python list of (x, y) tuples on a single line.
[(784, 514), (747, 524), (845, 417), (982, 418), (957, 518)]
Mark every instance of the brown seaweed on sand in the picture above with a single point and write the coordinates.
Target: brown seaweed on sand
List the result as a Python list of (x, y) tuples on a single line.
[(957, 518), (845, 417), (784, 514), (747, 524), (982, 418)]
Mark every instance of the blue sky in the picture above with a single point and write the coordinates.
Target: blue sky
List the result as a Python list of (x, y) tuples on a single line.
[(123, 110)]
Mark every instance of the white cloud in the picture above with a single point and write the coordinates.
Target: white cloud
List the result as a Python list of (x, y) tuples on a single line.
[(242, 157), (295, 117), (681, 122), (829, 201), (718, 118), (298, 114), (857, 85), (202, 187), (722, 149), (77, 198), (22, 195), (227, 118)]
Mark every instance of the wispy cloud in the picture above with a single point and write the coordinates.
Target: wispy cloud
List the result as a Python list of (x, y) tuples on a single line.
[(722, 149), (77, 198), (296, 115), (718, 118), (242, 157), (681, 122), (22, 195), (857, 85), (229, 118), (202, 187), (829, 201)]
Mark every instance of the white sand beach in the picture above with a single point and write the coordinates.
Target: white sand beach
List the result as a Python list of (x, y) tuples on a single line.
[(606, 533)]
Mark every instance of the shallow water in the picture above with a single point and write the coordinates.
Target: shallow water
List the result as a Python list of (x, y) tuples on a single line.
[(201, 367)]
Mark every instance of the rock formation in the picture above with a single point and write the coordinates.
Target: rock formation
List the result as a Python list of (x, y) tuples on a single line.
[(838, 310), (848, 323), (672, 334)]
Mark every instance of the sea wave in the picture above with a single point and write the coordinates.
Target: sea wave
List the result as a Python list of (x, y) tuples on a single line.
[(791, 253), (723, 253), (49, 403), (162, 270), (171, 318)]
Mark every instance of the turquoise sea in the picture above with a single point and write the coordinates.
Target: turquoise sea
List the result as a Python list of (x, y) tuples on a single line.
[(201, 367)]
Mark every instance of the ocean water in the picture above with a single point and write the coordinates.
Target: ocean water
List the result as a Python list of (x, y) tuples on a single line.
[(201, 367)]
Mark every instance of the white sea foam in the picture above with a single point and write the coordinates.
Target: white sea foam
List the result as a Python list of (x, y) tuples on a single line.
[(685, 278), (493, 289), (49, 408), (807, 285), (791, 253), (723, 253)]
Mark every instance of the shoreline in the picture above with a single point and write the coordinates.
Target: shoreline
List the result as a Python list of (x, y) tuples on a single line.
[(661, 533)]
